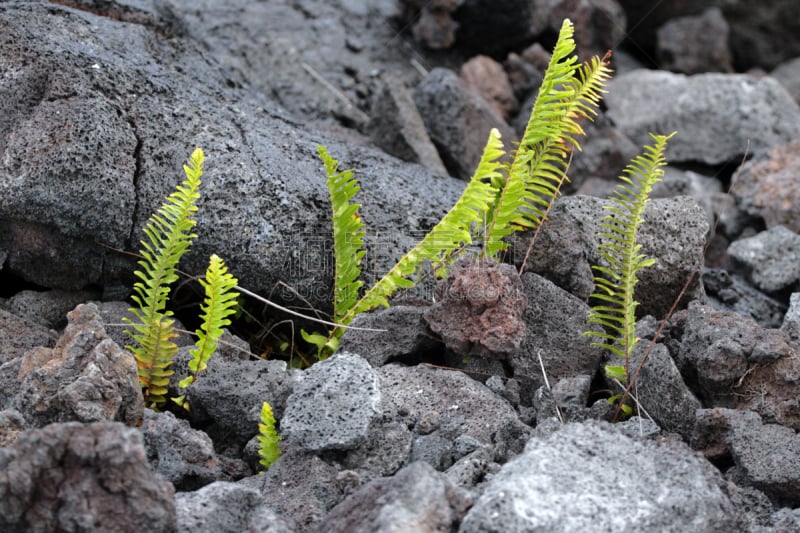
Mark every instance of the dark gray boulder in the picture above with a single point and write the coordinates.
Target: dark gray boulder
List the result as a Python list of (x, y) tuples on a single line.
[(82, 477), (771, 258), (572, 480), (717, 116), (127, 120), (417, 498), (224, 506), (86, 377), (333, 406)]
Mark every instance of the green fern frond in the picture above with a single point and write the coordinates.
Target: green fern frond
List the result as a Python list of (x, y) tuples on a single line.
[(267, 437), (218, 305), (569, 92), (348, 236), (615, 283), (159, 352), (451, 233), (168, 237)]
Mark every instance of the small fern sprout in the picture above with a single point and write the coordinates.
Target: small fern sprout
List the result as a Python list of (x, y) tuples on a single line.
[(615, 307), (267, 437), (168, 237), (219, 303)]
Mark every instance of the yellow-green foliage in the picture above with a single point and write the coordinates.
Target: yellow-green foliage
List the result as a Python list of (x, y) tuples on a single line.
[(219, 304), (615, 310), (168, 237), (267, 437), (499, 199), (348, 248), (450, 234), (569, 91)]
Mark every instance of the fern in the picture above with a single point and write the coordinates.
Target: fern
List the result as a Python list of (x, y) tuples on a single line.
[(453, 232), (168, 237), (267, 438), (348, 247), (615, 283), (569, 92), (219, 304)]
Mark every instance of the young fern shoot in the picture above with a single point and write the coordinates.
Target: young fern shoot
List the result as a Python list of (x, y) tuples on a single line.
[(348, 248), (218, 305), (569, 92), (168, 237), (267, 437), (615, 310)]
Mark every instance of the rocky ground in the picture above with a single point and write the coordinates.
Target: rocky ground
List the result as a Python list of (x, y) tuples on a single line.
[(430, 425)]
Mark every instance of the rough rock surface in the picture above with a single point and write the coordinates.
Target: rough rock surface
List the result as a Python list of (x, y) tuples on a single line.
[(417, 498), (556, 321), (766, 456), (18, 335), (718, 115), (766, 187), (98, 104), (406, 336), (772, 258), (479, 308), (729, 361), (224, 506), (788, 74), (696, 44), (333, 405), (82, 477), (548, 487), (458, 120), (86, 377)]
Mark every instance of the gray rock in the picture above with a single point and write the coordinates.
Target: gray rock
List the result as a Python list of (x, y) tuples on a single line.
[(300, 488), (763, 37), (183, 456), (556, 321), (788, 74), (695, 44), (226, 507), (82, 477), (415, 499), (661, 390), (226, 399), (407, 336), (599, 24), (791, 321), (18, 335), (717, 116), (732, 292), (571, 481), (396, 127), (458, 120), (766, 456), (414, 393), (333, 406), (765, 187), (673, 232), (471, 469), (729, 361), (387, 449), (260, 166), (48, 308), (566, 246), (86, 377), (772, 257)]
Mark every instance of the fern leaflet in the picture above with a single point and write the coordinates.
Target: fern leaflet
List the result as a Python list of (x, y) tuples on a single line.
[(267, 437), (568, 93), (218, 305), (615, 283), (168, 237)]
